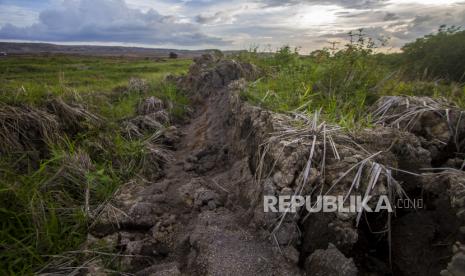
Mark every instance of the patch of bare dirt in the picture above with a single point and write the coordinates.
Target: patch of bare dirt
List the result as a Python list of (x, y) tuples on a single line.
[(205, 216)]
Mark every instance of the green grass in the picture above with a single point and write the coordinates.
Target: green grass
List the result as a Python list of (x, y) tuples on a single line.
[(30, 79), (43, 202), (344, 84)]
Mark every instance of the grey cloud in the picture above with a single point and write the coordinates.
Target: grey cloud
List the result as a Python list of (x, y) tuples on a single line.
[(352, 4), (204, 19), (421, 19), (369, 16), (362, 15), (401, 23), (425, 24), (390, 16), (406, 25), (218, 17), (108, 21), (254, 21)]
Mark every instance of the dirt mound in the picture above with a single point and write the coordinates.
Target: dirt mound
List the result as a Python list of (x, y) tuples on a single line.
[(205, 216), (330, 262), (439, 124), (209, 74)]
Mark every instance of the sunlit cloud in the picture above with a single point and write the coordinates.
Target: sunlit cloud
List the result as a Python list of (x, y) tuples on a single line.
[(310, 16), (426, 2), (224, 24)]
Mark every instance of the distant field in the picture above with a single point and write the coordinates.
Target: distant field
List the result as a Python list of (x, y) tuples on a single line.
[(36, 75)]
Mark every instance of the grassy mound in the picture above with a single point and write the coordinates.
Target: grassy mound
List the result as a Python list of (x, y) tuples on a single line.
[(65, 148)]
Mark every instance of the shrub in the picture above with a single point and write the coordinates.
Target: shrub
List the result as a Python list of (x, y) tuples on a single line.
[(173, 55), (437, 55), (341, 82)]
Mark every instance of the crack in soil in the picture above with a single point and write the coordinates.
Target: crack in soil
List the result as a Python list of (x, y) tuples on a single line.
[(205, 216)]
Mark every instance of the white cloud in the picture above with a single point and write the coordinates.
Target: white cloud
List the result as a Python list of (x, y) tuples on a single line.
[(20, 15), (109, 21), (204, 23)]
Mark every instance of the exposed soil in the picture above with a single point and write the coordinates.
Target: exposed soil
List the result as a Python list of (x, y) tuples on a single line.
[(205, 215)]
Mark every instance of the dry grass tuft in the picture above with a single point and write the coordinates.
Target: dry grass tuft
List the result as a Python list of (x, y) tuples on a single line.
[(22, 127), (137, 85), (71, 183), (155, 156), (72, 113), (130, 130), (150, 105), (404, 111)]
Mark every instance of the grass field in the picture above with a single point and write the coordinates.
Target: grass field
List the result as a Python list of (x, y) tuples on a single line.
[(37, 76), (72, 159)]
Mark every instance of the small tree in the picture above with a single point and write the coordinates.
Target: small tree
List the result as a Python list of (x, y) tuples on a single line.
[(437, 55), (173, 55)]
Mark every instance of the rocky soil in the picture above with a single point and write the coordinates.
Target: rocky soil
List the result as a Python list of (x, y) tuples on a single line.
[(204, 215)]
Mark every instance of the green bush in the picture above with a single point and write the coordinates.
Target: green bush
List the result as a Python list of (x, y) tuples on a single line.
[(438, 55), (344, 83), (340, 82)]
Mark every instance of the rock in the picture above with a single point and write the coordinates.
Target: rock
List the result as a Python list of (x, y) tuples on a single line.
[(206, 197), (291, 254), (456, 266), (186, 193), (287, 233), (329, 262), (194, 194)]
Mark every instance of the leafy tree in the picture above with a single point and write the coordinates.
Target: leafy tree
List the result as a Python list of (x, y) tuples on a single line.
[(437, 55)]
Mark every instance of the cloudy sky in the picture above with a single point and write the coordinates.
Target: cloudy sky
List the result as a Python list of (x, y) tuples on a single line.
[(223, 24)]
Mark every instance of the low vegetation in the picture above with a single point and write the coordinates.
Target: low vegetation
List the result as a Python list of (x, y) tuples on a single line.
[(345, 82), (65, 146)]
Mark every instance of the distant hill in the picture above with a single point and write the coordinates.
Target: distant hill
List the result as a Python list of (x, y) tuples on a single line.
[(47, 48)]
